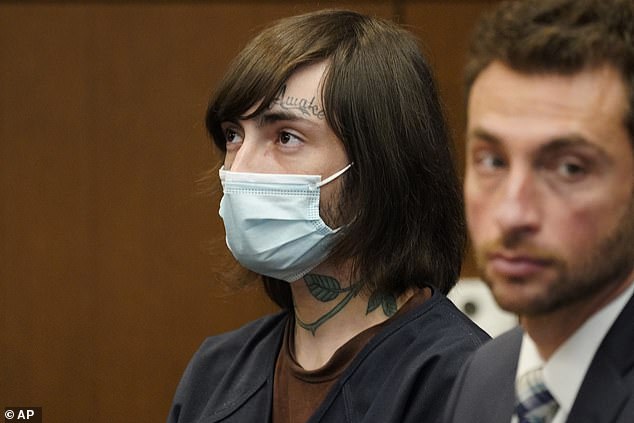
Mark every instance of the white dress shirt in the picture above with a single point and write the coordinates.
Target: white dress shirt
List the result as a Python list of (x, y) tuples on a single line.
[(565, 370)]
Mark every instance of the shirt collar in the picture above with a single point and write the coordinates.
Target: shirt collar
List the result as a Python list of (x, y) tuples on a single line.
[(565, 370)]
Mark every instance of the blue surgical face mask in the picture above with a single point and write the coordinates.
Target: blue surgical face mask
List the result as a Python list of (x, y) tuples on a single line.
[(272, 222)]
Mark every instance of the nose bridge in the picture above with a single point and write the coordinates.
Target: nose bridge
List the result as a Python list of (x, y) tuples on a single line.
[(245, 158), (519, 203)]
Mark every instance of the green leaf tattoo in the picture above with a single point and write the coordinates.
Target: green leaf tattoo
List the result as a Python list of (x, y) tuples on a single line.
[(374, 302), (386, 301), (389, 305), (325, 288)]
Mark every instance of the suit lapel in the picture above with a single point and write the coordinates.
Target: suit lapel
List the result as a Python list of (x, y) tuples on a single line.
[(495, 375), (505, 405), (605, 390)]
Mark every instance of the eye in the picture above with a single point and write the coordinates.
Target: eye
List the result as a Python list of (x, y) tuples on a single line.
[(488, 161), (571, 169), (287, 139), (232, 135)]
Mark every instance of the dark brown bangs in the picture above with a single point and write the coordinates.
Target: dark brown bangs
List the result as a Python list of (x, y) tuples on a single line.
[(256, 77), (258, 73)]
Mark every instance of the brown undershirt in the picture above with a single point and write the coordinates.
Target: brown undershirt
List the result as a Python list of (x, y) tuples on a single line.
[(297, 393)]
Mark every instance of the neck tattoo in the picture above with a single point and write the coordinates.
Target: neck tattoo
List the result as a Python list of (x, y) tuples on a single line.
[(326, 289)]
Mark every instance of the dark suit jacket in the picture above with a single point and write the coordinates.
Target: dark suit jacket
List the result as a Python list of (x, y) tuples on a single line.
[(485, 389)]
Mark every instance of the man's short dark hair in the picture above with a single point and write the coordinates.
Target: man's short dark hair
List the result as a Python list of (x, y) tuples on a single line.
[(400, 201), (557, 36)]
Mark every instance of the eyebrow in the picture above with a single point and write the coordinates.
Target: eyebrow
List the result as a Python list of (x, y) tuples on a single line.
[(561, 145), (554, 145), (483, 135)]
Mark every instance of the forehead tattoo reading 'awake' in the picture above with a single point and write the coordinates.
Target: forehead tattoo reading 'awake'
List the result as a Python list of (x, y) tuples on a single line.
[(303, 105)]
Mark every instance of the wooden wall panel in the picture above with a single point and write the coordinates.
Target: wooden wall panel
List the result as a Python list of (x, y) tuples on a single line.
[(47, 310)]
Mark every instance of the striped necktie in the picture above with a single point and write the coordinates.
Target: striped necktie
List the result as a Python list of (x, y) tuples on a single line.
[(534, 403)]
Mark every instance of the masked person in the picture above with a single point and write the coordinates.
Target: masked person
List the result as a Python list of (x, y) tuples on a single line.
[(339, 191), (549, 196)]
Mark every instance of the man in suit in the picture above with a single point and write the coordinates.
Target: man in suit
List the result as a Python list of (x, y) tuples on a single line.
[(549, 194)]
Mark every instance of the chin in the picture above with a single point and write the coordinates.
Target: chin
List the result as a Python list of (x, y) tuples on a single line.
[(521, 297)]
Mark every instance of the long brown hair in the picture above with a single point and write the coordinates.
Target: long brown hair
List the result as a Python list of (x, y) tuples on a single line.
[(401, 200)]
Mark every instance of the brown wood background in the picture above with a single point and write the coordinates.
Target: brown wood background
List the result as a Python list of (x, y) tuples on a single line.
[(109, 274)]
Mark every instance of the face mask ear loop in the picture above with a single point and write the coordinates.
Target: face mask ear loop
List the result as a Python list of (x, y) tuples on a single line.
[(333, 176)]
